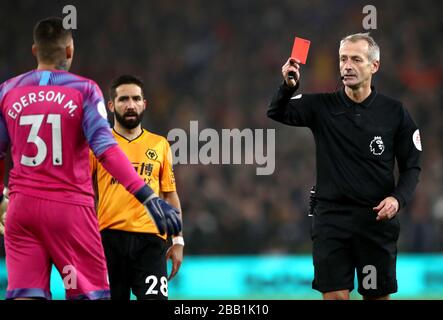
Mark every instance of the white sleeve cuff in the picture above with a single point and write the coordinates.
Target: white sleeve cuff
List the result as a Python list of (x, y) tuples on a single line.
[(178, 240)]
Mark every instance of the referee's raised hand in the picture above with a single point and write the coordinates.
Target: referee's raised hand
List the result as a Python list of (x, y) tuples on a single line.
[(291, 72)]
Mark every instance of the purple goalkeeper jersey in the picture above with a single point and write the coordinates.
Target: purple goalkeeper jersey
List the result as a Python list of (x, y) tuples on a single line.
[(51, 119)]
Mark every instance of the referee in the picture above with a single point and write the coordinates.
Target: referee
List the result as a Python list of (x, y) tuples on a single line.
[(359, 133)]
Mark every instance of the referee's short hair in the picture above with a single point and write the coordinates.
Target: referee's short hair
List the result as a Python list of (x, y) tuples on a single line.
[(373, 50)]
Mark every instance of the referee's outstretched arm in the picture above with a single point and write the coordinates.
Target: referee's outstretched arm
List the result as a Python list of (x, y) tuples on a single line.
[(289, 110)]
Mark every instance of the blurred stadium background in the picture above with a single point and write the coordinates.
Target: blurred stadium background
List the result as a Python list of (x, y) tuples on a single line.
[(247, 236)]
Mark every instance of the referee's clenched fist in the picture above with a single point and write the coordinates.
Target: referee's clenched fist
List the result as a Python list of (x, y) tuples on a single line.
[(291, 72)]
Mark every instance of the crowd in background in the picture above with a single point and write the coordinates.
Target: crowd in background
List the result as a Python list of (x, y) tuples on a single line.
[(219, 62)]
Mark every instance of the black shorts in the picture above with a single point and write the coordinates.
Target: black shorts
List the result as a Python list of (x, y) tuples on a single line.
[(348, 239), (137, 262)]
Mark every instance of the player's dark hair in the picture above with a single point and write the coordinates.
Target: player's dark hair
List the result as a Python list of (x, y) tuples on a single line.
[(124, 79), (51, 40)]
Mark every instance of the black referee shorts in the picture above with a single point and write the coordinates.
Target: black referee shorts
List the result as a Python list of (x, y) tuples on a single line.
[(349, 239), (137, 262)]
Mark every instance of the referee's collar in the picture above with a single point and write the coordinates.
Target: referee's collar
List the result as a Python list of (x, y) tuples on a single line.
[(366, 103)]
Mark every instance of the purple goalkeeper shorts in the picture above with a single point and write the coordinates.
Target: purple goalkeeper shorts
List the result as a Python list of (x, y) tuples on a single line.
[(39, 233)]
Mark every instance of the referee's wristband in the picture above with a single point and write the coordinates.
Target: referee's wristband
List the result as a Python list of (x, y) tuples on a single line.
[(178, 240)]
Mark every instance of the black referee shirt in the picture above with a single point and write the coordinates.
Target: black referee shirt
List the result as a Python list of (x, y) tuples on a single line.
[(356, 144)]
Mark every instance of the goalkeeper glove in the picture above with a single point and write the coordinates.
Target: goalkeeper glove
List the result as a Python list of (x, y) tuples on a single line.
[(162, 213)]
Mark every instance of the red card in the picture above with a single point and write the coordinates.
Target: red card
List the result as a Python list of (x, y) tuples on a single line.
[(300, 49)]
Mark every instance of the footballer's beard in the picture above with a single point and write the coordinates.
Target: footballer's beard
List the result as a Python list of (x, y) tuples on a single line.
[(129, 123)]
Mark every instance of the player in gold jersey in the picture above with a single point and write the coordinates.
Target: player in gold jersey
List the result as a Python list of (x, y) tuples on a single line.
[(135, 251)]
